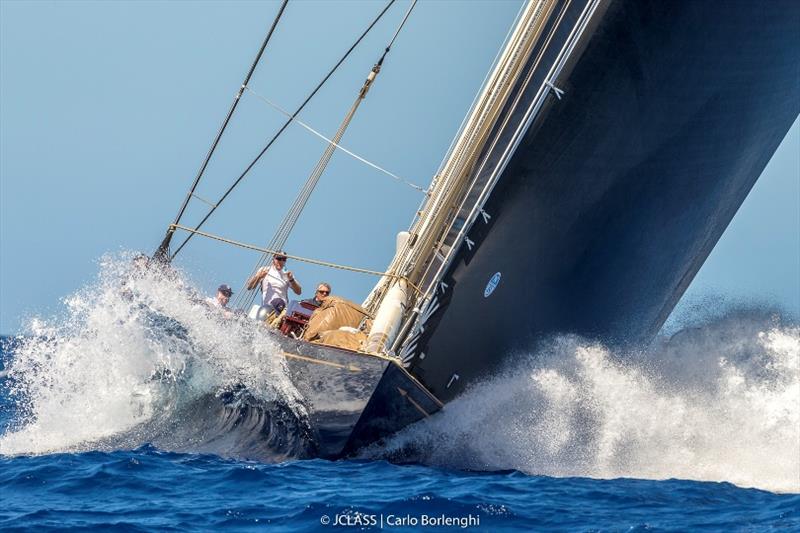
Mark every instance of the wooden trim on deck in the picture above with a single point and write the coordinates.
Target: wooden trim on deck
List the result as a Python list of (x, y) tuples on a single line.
[(351, 368)]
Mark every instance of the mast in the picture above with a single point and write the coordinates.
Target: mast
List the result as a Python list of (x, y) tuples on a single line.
[(290, 219), (427, 247), (162, 252)]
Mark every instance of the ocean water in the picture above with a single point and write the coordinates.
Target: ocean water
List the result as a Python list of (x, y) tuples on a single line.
[(116, 414)]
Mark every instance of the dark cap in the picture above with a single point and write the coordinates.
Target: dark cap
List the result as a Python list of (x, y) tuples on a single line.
[(224, 289), (278, 304)]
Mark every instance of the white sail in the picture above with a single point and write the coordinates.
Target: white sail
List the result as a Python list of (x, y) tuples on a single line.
[(423, 252)]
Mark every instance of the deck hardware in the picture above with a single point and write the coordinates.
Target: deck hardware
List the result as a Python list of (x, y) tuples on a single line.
[(556, 91), (453, 378), (408, 352), (431, 308), (494, 281), (405, 395)]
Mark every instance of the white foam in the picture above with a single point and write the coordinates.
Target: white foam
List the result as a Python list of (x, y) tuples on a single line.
[(89, 375), (720, 403)]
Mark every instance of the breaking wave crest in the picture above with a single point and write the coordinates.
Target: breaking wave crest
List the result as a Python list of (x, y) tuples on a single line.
[(720, 402), (138, 359)]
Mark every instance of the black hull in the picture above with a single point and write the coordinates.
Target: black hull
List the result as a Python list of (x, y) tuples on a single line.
[(617, 192), (338, 384)]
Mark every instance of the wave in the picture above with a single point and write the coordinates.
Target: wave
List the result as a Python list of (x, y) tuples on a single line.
[(138, 358), (715, 402)]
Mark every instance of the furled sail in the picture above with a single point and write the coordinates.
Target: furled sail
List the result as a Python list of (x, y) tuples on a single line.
[(455, 192)]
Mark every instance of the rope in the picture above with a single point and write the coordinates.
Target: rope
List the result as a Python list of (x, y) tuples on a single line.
[(400, 27), (373, 296), (290, 220), (336, 145), (291, 217), (457, 169), (163, 250), (300, 202), (269, 251), (285, 125), (202, 199)]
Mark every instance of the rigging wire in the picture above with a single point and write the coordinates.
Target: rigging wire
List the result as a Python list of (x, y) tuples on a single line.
[(378, 290), (335, 145), (285, 125), (397, 32), (289, 221), (162, 253), (298, 258)]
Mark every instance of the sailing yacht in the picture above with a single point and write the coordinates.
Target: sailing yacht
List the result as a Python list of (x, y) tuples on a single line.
[(608, 149)]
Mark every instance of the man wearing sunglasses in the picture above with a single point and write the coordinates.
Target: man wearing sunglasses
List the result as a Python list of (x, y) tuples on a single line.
[(275, 283), (323, 291)]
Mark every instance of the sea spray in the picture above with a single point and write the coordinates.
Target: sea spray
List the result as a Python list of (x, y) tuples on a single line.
[(718, 402), (137, 358)]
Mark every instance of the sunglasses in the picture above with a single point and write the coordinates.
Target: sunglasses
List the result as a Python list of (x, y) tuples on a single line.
[(324, 292), (281, 259)]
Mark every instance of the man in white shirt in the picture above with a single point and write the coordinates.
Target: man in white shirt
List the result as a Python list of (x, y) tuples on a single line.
[(224, 293), (275, 282), (223, 297)]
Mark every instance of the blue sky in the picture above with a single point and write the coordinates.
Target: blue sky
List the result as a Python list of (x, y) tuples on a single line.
[(106, 110)]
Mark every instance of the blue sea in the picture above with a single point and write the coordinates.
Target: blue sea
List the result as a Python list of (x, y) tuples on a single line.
[(106, 424)]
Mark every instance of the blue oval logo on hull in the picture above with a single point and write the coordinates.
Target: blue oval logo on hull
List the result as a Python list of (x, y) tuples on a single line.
[(492, 285)]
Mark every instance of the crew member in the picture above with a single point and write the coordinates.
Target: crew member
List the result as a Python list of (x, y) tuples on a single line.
[(224, 293), (275, 282), (323, 291)]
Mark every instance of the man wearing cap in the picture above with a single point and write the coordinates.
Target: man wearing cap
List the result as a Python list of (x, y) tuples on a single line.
[(223, 297), (275, 283)]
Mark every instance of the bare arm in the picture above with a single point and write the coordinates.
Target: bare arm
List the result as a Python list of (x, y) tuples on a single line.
[(293, 284), (253, 281)]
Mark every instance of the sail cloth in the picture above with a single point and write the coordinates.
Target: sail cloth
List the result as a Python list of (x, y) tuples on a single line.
[(451, 207), (340, 338), (334, 313)]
